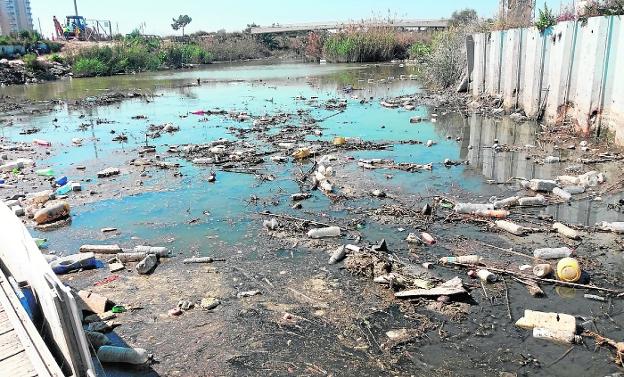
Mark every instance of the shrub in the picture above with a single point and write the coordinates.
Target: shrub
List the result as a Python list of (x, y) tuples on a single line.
[(31, 62), (358, 45), (233, 46), (446, 62), (419, 51), (57, 58), (546, 19), (86, 67)]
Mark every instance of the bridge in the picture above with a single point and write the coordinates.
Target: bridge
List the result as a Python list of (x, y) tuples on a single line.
[(407, 24)]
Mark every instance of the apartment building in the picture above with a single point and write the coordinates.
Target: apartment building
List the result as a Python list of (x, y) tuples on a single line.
[(15, 15)]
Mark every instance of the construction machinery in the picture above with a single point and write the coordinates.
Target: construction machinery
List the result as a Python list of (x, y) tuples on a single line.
[(79, 28)]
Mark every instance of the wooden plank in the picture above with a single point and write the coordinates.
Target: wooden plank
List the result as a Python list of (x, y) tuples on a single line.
[(9, 345), (17, 366), (5, 323)]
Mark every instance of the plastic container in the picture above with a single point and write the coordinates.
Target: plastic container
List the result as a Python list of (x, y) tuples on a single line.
[(551, 160), (47, 172), (552, 253), (330, 231), (339, 140), (464, 259), (112, 354), (472, 207), (61, 181), (73, 262), (566, 231), (147, 265), (51, 213), (510, 227), (486, 276), (157, 250), (63, 190), (554, 335), (562, 193), (542, 270), (569, 270)]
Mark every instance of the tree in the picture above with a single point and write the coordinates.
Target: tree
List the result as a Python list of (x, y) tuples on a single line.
[(464, 17), (181, 22)]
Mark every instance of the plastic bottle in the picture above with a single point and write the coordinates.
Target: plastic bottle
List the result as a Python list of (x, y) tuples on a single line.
[(574, 190), (427, 238), (552, 253), (542, 270), (464, 259), (130, 257), (566, 231), (147, 264), (616, 227), (554, 335), (51, 213), (539, 184), (538, 200), (112, 354), (157, 250), (507, 202), (20, 163), (43, 143), (330, 231), (472, 207), (338, 255), (493, 213), (551, 160), (198, 260), (203, 161), (486, 276), (63, 189), (339, 140), (510, 227), (47, 172), (569, 270), (562, 193), (97, 339)]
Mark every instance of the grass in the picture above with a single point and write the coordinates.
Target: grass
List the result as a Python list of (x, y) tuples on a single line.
[(370, 45), (136, 53)]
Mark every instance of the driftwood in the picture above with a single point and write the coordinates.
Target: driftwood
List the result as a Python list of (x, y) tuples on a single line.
[(286, 217)]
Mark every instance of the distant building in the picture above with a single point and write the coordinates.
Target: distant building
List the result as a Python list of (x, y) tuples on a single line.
[(15, 15)]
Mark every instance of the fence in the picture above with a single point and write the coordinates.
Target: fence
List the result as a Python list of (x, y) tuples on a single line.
[(571, 71)]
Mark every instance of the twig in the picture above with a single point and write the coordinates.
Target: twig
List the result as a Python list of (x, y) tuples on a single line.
[(510, 250), (560, 357), (296, 219), (507, 299)]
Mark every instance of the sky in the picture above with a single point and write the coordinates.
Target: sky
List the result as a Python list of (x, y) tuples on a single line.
[(233, 15)]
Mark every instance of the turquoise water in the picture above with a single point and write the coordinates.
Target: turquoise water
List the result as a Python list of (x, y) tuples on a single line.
[(197, 217)]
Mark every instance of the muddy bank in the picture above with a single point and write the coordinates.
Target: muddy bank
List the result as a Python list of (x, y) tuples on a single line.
[(16, 72)]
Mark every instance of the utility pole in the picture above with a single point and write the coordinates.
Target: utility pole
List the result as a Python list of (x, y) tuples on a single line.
[(76, 7)]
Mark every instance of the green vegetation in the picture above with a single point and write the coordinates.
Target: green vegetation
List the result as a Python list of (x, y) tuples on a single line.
[(57, 58), (136, 53), (446, 62), (546, 19), (31, 62), (419, 51), (30, 40), (224, 46), (370, 45)]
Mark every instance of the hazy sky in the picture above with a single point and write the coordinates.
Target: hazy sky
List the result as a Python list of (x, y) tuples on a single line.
[(211, 15)]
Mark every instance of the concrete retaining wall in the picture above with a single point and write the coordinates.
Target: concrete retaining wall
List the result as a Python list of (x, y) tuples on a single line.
[(570, 71)]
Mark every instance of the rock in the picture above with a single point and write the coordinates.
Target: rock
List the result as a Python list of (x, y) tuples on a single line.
[(248, 293)]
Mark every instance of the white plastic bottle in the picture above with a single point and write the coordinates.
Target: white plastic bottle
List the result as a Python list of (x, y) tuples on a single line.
[(552, 253), (330, 231)]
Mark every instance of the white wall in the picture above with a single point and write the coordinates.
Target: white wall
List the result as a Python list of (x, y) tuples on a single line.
[(571, 70)]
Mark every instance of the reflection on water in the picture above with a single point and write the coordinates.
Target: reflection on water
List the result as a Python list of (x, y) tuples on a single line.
[(480, 134)]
